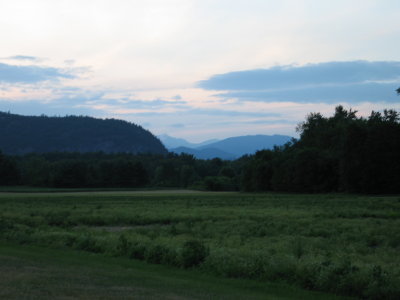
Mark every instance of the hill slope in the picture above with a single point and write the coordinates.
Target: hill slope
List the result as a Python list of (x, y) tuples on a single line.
[(233, 147), (248, 144), (172, 142), (25, 134)]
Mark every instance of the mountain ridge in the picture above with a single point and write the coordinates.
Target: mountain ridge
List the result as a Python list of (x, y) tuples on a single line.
[(173, 142), (234, 147), (25, 134), (249, 144)]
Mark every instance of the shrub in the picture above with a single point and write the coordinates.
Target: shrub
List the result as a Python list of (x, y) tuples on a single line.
[(5, 225), (137, 251), (155, 254), (123, 246), (87, 243), (193, 253)]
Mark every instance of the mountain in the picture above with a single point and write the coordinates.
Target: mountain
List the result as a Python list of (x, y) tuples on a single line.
[(248, 144), (172, 142), (234, 147), (25, 134), (207, 153)]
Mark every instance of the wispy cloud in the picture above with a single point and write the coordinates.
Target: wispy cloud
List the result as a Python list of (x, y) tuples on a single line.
[(232, 113), (331, 82), (133, 103), (25, 58), (350, 93), (308, 75), (59, 107), (31, 74), (73, 100), (177, 125)]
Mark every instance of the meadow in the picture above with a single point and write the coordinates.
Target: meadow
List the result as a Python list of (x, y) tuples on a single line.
[(335, 243)]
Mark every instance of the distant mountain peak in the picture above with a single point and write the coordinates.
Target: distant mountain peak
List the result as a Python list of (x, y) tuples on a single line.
[(234, 147), (249, 144), (171, 142)]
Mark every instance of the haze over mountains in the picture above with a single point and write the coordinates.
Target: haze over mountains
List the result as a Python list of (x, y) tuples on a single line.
[(40, 134), (173, 142), (229, 148)]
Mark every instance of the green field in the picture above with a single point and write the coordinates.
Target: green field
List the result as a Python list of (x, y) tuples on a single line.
[(338, 244)]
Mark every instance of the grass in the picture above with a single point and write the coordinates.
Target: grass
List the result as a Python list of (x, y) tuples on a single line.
[(28, 272), (30, 189), (341, 244)]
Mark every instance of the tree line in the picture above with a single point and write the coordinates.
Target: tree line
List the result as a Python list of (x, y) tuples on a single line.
[(115, 170), (340, 153)]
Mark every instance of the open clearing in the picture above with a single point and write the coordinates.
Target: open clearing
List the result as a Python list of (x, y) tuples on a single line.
[(340, 244), (28, 272)]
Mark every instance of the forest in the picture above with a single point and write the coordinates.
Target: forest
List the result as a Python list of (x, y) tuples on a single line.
[(118, 206), (42, 134), (340, 153)]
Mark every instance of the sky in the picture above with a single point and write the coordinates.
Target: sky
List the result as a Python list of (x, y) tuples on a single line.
[(199, 69)]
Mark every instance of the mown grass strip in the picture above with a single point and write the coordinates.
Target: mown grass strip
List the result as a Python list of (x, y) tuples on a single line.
[(29, 272)]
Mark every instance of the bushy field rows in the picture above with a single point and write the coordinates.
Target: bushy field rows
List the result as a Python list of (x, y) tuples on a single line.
[(342, 244)]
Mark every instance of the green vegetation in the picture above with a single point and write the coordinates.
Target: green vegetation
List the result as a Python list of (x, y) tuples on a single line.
[(338, 153), (341, 244), (27, 134), (341, 153), (29, 272)]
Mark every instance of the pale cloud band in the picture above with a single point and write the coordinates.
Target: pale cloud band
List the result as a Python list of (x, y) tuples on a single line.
[(31, 74), (330, 82), (25, 58), (269, 100), (349, 93)]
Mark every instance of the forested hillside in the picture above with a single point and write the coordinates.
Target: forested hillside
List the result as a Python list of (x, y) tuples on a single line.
[(341, 153), (27, 134)]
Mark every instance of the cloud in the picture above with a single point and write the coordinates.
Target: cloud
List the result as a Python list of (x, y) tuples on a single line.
[(55, 101), (232, 113), (25, 58), (31, 74), (188, 115), (32, 107), (308, 75), (256, 122), (330, 82), (69, 62), (177, 125), (128, 104), (76, 101), (351, 93), (177, 97), (179, 113)]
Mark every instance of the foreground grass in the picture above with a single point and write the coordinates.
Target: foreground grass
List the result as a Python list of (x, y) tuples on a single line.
[(342, 244), (28, 272)]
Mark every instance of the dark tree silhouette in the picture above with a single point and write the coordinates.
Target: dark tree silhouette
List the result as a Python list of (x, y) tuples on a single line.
[(342, 152), (32, 134)]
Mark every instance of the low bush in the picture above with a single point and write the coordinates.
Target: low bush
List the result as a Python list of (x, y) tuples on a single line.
[(193, 253), (88, 243)]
